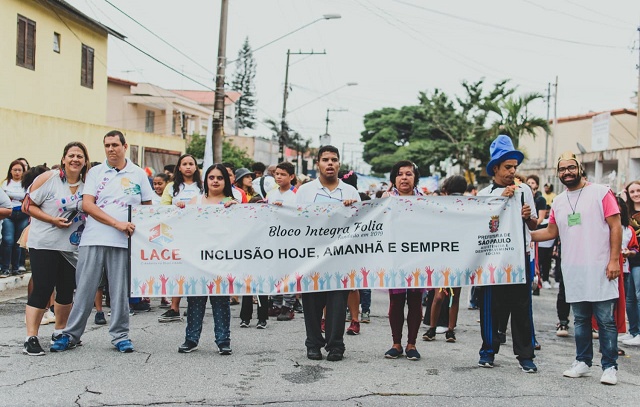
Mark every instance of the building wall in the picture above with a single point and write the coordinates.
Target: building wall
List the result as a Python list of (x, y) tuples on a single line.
[(42, 139), (259, 149), (53, 88), (615, 167)]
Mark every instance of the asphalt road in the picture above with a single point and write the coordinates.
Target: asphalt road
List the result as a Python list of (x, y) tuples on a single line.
[(269, 367)]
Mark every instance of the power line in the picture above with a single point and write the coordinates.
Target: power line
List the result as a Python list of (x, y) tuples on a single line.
[(160, 38), (564, 13), (513, 30), (599, 13)]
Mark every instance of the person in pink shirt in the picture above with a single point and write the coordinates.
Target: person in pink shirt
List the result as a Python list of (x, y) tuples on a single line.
[(587, 219)]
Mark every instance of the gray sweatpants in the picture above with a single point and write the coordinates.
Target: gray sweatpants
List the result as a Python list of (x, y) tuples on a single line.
[(91, 260)]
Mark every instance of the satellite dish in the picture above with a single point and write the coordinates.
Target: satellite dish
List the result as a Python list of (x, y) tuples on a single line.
[(581, 148)]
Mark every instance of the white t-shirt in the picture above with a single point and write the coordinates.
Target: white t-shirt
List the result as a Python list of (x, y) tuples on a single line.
[(585, 247), (156, 199), (315, 192), (5, 202), (114, 192), (55, 199), (288, 198), (528, 199), (269, 185), (15, 191), (185, 193)]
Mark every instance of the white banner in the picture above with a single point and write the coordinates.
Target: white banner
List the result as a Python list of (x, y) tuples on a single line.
[(416, 242)]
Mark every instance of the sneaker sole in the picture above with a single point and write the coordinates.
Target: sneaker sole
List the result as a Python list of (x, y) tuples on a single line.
[(180, 350), (26, 352), (261, 327), (609, 382), (576, 375), (225, 353), (526, 370), (451, 340), (485, 365), (391, 356), (353, 333), (175, 319), (426, 338)]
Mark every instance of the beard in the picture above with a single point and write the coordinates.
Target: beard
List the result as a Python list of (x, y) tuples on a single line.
[(570, 183)]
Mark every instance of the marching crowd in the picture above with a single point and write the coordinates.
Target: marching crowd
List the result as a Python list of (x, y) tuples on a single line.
[(73, 220)]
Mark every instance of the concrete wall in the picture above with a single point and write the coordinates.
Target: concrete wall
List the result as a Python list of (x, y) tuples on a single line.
[(53, 88), (41, 139)]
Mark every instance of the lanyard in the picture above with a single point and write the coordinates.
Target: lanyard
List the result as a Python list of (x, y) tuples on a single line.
[(573, 208)]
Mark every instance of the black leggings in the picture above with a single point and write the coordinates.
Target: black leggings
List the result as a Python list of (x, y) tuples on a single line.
[(50, 269)]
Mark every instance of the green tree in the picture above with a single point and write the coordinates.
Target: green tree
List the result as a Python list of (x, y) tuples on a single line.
[(230, 152), (243, 82), (514, 119), (437, 128)]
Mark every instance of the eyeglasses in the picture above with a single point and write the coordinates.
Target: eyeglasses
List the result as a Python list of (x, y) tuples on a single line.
[(570, 168)]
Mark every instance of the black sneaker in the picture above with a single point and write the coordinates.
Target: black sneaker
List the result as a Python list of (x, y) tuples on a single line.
[(225, 350), (335, 355), (430, 335), (187, 347), (5, 273), (170, 316), (450, 336), (297, 307), (262, 325), (244, 323), (100, 319), (502, 337), (32, 347), (140, 306)]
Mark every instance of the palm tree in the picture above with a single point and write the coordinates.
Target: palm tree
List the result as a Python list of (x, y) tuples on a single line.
[(514, 119)]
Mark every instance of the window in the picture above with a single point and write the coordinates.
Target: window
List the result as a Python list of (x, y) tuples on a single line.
[(26, 46), (86, 71), (149, 121), (56, 42)]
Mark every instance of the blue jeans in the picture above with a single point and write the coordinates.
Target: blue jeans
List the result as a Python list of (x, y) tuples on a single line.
[(365, 300), (608, 334), (196, 307), (632, 290), (10, 251)]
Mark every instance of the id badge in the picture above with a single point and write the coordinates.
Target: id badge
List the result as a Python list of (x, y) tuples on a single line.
[(574, 219)]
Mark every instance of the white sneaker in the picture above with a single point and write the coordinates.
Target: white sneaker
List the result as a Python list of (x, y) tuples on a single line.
[(635, 341), (578, 369), (545, 284), (624, 337), (441, 329), (48, 318), (609, 376)]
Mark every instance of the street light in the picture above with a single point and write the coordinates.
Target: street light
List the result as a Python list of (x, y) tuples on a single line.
[(324, 17), (326, 94)]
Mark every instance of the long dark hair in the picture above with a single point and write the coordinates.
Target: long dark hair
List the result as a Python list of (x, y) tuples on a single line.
[(31, 175), (13, 163), (87, 162), (178, 179), (227, 181), (624, 212)]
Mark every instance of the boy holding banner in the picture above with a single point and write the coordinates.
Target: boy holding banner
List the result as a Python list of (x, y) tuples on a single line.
[(327, 188)]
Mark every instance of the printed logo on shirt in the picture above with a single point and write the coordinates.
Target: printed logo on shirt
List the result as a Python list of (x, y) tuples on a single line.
[(129, 188)]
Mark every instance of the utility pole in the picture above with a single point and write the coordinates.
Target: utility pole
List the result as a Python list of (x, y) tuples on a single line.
[(546, 141), (284, 131), (326, 129), (555, 121), (218, 106)]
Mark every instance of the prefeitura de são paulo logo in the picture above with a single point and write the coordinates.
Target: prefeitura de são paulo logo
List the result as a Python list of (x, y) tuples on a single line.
[(494, 224), (160, 234)]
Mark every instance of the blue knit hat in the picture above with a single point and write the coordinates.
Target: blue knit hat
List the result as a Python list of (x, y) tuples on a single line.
[(501, 150)]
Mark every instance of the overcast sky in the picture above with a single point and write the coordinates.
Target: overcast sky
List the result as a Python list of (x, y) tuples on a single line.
[(392, 48)]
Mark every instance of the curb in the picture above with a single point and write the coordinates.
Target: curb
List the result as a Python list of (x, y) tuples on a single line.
[(12, 282)]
